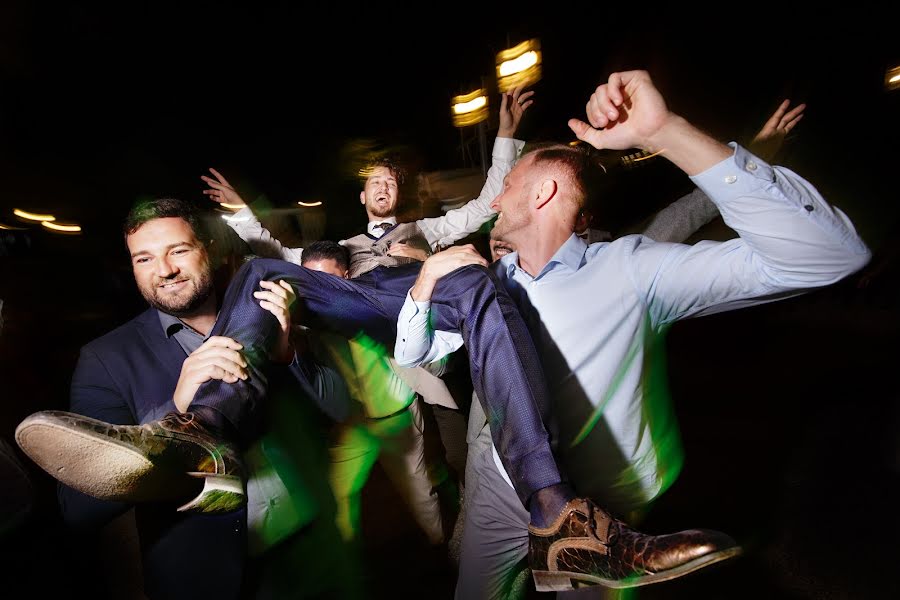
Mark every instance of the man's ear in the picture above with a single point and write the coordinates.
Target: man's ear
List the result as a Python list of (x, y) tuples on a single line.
[(546, 192), (362, 197)]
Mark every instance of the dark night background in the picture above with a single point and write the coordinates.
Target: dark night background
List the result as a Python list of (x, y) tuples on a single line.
[(789, 412)]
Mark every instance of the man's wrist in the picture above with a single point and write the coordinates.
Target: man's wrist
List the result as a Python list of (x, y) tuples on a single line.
[(423, 288)]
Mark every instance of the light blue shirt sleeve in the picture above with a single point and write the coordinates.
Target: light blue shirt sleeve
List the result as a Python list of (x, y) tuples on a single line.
[(790, 240), (417, 343)]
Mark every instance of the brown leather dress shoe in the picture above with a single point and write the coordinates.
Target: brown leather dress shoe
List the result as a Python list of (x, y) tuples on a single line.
[(586, 546), (162, 461)]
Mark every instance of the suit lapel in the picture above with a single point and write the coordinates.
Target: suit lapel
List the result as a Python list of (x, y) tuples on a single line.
[(167, 350)]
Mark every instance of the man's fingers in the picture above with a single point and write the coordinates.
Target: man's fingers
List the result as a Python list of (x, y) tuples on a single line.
[(220, 340), (199, 356), (614, 91), (275, 288), (277, 311), (290, 294), (794, 115), (586, 133), (271, 302), (214, 371), (790, 125), (214, 184), (216, 367), (219, 177)]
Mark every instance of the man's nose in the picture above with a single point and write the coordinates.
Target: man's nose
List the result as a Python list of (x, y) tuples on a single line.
[(165, 267)]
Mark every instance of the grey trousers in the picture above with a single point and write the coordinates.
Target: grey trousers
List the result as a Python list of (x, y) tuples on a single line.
[(493, 562), (494, 549)]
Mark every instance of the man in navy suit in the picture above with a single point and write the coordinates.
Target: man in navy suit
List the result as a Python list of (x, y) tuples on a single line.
[(151, 366)]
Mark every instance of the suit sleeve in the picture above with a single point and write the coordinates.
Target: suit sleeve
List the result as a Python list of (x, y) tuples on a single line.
[(93, 394)]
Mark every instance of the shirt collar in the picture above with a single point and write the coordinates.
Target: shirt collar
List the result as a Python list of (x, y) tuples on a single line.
[(170, 324), (377, 231), (570, 254)]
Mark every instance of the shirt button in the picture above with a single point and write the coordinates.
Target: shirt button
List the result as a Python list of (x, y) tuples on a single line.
[(751, 166), (731, 179)]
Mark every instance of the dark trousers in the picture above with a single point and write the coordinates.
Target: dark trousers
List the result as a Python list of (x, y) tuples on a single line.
[(503, 361)]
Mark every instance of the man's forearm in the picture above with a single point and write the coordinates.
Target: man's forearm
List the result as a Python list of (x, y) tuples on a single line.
[(687, 147)]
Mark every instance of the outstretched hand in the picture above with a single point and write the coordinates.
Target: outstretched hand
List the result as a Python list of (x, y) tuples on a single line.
[(513, 105), (221, 191), (626, 112), (768, 141)]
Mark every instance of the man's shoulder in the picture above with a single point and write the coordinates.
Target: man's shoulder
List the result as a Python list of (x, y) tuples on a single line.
[(125, 335)]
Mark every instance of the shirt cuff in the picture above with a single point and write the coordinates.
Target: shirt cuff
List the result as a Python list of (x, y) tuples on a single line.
[(421, 307), (741, 174), (507, 148)]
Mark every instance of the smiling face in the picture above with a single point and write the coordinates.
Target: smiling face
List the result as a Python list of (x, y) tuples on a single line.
[(380, 194), (512, 204), (171, 266), (499, 248)]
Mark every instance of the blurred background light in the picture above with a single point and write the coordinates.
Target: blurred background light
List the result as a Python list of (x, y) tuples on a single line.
[(470, 109), (32, 216), (62, 227), (519, 65)]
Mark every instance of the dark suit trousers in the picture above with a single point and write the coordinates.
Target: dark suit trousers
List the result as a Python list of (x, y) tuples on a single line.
[(506, 372)]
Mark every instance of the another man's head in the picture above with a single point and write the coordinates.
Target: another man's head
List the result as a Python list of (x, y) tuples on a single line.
[(381, 190), (499, 248), (328, 257), (168, 241), (543, 196)]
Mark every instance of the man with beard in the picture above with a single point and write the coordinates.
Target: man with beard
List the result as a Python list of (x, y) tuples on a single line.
[(152, 366)]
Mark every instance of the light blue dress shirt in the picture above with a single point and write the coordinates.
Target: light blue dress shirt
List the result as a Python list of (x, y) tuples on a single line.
[(597, 314)]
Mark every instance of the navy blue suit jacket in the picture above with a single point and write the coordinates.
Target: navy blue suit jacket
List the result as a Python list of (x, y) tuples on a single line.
[(128, 376)]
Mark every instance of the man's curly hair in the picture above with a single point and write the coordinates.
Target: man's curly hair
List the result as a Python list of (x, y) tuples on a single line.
[(387, 162)]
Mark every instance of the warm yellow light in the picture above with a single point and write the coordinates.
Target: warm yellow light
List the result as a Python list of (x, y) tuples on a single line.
[(10, 227), (519, 65), (470, 108), (32, 216), (509, 67), (61, 227), (892, 78), (310, 204), (646, 156), (232, 206)]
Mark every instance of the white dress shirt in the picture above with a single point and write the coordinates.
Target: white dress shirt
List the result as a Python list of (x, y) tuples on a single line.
[(374, 228), (438, 231), (597, 314)]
